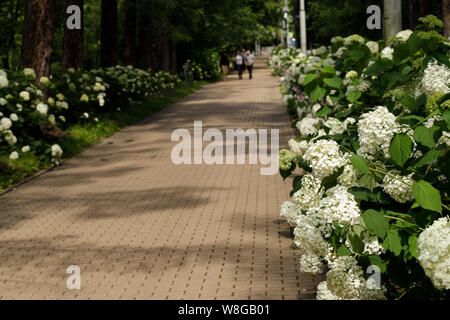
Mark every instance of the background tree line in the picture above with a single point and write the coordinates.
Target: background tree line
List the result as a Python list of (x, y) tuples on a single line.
[(329, 18), (156, 34)]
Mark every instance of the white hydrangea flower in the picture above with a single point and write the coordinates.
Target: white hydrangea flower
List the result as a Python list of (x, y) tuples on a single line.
[(10, 138), (19, 107), (29, 73), (324, 157), (335, 126), (3, 82), (430, 122), (311, 263), (309, 194), (434, 253), (42, 109), (14, 155), (308, 237), (372, 246), (84, 98), (290, 211), (348, 177), (399, 187), (376, 130), (340, 206), (14, 117), (341, 52), (57, 152), (5, 124), (404, 35), (26, 149), (323, 293), (3, 101), (44, 81), (445, 139), (436, 79), (373, 47), (363, 85), (60, 97), (346, 280), (86, 115), (354, 38), (25, 95), (351, 74), (308, 126), (387, 53), (298, 148)]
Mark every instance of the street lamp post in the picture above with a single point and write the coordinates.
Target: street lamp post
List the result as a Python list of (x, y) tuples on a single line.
[(286, 19), (303, 25)]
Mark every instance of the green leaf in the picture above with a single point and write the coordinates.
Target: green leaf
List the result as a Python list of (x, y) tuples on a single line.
[(376, 222), (360, 164), (317, 94), (335, 82), (408, 102), (412, 242), (429, 157), (310, 78), (401, 149), (343, 251), (356, 242), (328, 71), (367, 181), (354, 96), (446, 117), (296, 185), (393, 242), (427, 196), (324, 112), (426, 136)]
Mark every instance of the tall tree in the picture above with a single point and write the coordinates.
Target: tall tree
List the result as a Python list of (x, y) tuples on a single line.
[(73, 42), (145, 54), (130, 32), (37, 46), (164, 44), (446, 13), (109, 33), (392, 18), (414, 13)]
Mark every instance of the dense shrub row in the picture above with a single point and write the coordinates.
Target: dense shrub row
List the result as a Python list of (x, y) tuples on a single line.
[(34, 114), (370, 202)]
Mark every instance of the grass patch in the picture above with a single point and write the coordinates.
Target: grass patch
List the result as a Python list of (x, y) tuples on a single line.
[(80, 136)]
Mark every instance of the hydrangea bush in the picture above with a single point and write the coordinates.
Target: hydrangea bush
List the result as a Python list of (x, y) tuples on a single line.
[(34, 114), (371, 164)]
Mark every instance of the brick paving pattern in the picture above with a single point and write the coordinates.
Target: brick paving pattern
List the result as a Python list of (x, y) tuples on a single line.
[(140, 227)]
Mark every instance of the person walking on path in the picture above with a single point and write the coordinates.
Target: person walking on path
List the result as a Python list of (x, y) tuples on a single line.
[(239, 60), (224, 65), (249, 62)]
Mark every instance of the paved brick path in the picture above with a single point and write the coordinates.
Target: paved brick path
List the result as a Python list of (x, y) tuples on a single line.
[(140, 227)]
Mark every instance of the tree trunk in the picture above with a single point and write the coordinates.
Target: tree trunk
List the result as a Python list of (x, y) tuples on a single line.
[(164, 45), (446, 13), (109, 37), (173, 56), (130, 32), (145, 54), (392, 18), (425, 7), (73, 52), (414, 15), (37, 46)]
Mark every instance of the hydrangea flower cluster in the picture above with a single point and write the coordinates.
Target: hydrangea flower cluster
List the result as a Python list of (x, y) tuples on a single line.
[(324, 157), (434, 252), (376, 130), (399, 187)]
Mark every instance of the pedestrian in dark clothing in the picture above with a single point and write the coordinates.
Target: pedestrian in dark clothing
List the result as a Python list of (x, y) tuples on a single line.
[(224, 65)]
